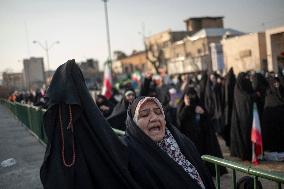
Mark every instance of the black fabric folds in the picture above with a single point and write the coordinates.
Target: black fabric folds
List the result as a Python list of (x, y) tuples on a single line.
[(242, 117), (198, 129), (118, 116), (230, 81), (100, 157), (273, 122)]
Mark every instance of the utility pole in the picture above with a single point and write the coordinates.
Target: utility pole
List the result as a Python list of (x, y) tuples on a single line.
[(107, 33)]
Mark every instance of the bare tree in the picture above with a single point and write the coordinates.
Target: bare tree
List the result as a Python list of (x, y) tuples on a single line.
[(155, 56)]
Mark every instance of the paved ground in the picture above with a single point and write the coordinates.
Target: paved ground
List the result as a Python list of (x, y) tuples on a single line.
[(16, 142)]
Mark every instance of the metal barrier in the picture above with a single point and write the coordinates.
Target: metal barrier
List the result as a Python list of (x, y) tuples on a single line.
[(242, 168), (32, 117)]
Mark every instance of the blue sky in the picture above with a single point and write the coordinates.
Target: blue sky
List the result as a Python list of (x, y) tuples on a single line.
[(79, 25)]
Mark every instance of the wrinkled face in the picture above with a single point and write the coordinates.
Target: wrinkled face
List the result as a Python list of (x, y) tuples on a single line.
[(151, 120)]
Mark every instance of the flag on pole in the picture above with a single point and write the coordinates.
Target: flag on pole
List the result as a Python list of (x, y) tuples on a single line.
[(256, 138), (107, 85)]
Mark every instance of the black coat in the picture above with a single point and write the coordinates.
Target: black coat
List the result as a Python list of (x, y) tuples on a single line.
[(151, 167), (242, 117), (230, 81), (273, 122), (118, 116), (200, 131), (101, 159), (213, 105)]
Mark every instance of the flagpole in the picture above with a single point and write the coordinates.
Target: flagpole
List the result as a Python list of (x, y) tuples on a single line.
[(107, 32)]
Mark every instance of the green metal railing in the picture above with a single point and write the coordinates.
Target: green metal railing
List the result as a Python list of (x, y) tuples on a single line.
[(256, 173), (32, 117)]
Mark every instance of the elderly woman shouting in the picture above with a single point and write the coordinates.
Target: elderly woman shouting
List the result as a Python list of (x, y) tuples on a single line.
[(160, 156), (84, 152)]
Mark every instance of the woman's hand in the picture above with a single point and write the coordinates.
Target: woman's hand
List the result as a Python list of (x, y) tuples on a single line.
[(199, 110)]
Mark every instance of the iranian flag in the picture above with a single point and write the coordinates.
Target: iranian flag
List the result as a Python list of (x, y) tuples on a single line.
[(256, 138), (107, 86)]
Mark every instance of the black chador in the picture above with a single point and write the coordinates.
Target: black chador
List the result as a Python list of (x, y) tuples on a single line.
[(273, 122), (118, 116), (242, 117), (82, 150), (230, 80), (213, 103), (197, 127)]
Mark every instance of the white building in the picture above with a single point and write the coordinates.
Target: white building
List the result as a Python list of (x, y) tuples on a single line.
[(34, 76)]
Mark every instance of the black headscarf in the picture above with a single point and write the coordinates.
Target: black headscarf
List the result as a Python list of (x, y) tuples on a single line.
[(118, 116), (152, 167), (101, 100), (82, 150)]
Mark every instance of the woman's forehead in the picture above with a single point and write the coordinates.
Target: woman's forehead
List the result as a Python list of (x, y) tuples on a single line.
[(149, 104)]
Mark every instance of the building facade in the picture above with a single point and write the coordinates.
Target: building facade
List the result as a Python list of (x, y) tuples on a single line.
[(275, 48), (196, 55), (13, 81), (189, 50), (34, 76), (246, 52), (136, 61)]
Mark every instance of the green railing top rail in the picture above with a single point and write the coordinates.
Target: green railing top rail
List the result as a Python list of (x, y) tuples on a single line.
[(117, 131), (245, 168)]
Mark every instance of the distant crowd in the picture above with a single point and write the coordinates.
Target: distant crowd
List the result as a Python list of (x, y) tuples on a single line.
[(200, 105)]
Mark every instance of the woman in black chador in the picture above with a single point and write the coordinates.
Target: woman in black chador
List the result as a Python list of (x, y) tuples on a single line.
[(118, 116), (160, 156), (273, 122), (230, 81), (193, 123), (242, 117), (84, 152)]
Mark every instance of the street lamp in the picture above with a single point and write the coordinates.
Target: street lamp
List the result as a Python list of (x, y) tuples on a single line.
[(107, 32), (46, 48)]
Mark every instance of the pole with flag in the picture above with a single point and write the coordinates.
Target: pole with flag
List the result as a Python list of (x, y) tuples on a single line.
[(107, 85), (256, 138)]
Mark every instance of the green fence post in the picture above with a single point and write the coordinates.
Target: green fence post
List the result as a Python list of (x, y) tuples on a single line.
[(217, 169), (234, 179), (30, 118), (255, 186)]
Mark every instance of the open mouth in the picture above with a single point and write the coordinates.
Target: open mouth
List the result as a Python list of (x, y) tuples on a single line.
[(155, 129)]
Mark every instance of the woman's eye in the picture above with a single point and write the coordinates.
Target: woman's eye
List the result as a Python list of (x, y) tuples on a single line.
[(158, 111), (144, 113)]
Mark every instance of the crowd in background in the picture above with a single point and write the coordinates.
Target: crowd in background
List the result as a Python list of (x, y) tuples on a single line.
[(31, 97), (202, 105)]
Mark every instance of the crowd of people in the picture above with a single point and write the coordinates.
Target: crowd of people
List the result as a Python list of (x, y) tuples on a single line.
[(204, 104), (31, 97), (168, 122)]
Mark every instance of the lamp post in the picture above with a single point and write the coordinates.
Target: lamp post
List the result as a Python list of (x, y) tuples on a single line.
[(107, 32), (46, 48)]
